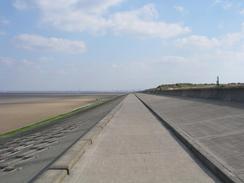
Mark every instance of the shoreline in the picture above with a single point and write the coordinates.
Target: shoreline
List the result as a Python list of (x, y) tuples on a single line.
[(21, 113)]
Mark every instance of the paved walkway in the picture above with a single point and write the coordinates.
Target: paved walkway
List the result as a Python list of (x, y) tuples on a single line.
[(135, 147), (216, 126)]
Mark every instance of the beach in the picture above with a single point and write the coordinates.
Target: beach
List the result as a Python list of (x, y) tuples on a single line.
[(20, 110)]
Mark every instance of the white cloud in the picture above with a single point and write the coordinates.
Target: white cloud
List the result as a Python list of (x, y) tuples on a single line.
[(84, 15), (3, 21), (199, 41), (2, 33), (11, 61), (143, 22), (179, 8), (22, 4), (225, 4), (242, 11), (37, 42), (173, 59), (232, 39), (225, 41), (95, 6), (7, 61)]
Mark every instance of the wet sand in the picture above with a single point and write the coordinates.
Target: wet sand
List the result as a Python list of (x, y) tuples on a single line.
[(23, 110)]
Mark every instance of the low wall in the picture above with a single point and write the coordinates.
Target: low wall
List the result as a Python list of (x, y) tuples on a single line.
[(226, 94)]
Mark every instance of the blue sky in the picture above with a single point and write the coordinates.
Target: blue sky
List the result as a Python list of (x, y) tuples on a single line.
[(119, 44)]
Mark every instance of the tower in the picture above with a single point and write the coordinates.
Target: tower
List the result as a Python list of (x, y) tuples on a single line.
[(217, 82)]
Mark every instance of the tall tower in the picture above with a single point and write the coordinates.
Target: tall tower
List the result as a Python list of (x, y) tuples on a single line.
[(217, 82)]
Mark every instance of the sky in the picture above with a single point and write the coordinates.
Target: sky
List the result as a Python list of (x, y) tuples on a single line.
[(111, 45)]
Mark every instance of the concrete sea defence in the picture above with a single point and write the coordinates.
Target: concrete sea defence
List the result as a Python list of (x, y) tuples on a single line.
[(26, 156), (63, 166), (224, 94), (212, 130), (135, 147)]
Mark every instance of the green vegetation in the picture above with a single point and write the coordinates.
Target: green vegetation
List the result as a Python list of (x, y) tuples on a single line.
[(184, 86), (53, 119), (180, 86)]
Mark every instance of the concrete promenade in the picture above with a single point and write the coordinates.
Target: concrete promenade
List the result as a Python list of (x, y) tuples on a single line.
[(23, 157), (215, 127), (135, 147)]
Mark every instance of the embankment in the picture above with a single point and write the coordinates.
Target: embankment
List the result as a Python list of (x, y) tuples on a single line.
[(224, 94)]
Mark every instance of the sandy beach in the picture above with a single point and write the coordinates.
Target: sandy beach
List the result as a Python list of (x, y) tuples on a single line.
[(20, 111)]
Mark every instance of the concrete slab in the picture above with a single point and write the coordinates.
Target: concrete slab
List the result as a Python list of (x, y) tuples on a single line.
[(216, 126), (52, 176), (135, 147), (54, 139)]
